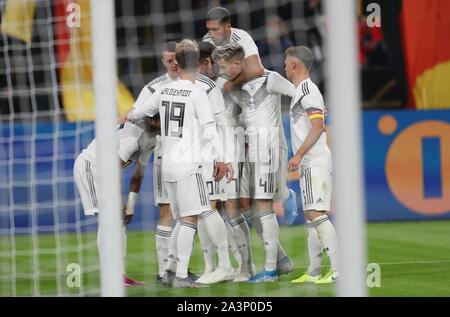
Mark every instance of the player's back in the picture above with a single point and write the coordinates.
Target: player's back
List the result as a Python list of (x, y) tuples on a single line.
[(150, 88), (240, 37), (135, 142), (181, 129), (213, 92)]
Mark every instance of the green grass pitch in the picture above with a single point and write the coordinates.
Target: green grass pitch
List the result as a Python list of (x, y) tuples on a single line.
[(414, 258)]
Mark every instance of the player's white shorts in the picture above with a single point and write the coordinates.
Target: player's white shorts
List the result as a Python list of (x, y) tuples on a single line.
[(213, 187), (85, 175), (261, 179), (316, 185), (159, 186), (230, 190), (188, 196)]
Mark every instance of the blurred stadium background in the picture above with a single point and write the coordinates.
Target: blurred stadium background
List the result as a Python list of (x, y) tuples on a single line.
[(47, 113)]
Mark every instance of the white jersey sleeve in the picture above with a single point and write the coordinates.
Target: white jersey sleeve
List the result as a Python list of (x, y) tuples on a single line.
[(216, 100), (143, 96), (149, 107), (205, 116), (127, 147), (277, 84), (245, 40), (150, 88), (312, 101)]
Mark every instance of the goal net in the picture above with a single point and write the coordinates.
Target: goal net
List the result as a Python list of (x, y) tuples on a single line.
[(47, 245)]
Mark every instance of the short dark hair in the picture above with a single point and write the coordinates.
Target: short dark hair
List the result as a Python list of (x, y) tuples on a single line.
[(219, 13), (206, 49), (187, 55), (169, 47), (303, 54)]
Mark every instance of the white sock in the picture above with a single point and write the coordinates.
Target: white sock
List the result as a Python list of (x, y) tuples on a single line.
[(172, 256), (327, 235), (258, 228), (233, 246), (314, 250), (248, 214), (209, 250), (162, 238), (270, 237), (242, 235), (185, 242), (217, 231)]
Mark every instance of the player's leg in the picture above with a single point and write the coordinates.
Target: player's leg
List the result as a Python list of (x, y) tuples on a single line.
[(191, 197), (216, 229), (162, 238), (208, 248), (171, 264), (241, 234), (316, 190), (164, 227), (240, 229), (315, 257), (264, 189)]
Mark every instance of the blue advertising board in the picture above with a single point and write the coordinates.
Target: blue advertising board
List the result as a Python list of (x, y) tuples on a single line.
[(406, 170)]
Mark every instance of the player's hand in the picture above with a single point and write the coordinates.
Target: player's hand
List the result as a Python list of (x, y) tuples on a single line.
[(127, 219), (219, 171), (122, 118), (229, 172), (294, 163)]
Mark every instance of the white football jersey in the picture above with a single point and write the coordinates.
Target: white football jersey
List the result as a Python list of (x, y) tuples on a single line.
[(136, 142), (185, 112), (213, 92), (242, 38), (307, 105), (151, 87), (260, 100), (231, 106)]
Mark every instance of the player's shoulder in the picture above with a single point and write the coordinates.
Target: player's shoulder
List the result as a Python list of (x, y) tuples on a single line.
[(131, 130), (157, 82), (221, 80), (206, 82), (268, 73), (309, 88), (239, 35), (207, 38)]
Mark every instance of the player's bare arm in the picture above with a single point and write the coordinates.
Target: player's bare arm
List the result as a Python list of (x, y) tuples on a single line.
[(317, 128)]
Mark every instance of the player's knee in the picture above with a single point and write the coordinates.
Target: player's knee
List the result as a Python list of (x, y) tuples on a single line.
[(264, 204), (245, 204), (165, 215), (313, 214)]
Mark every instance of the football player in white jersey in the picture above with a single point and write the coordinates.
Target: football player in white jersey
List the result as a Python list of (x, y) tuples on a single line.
[(313, 158), (220, 32), (260, 100), (187, 121), (136, 141), (218, 242), (238, 232), (165, 221)]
